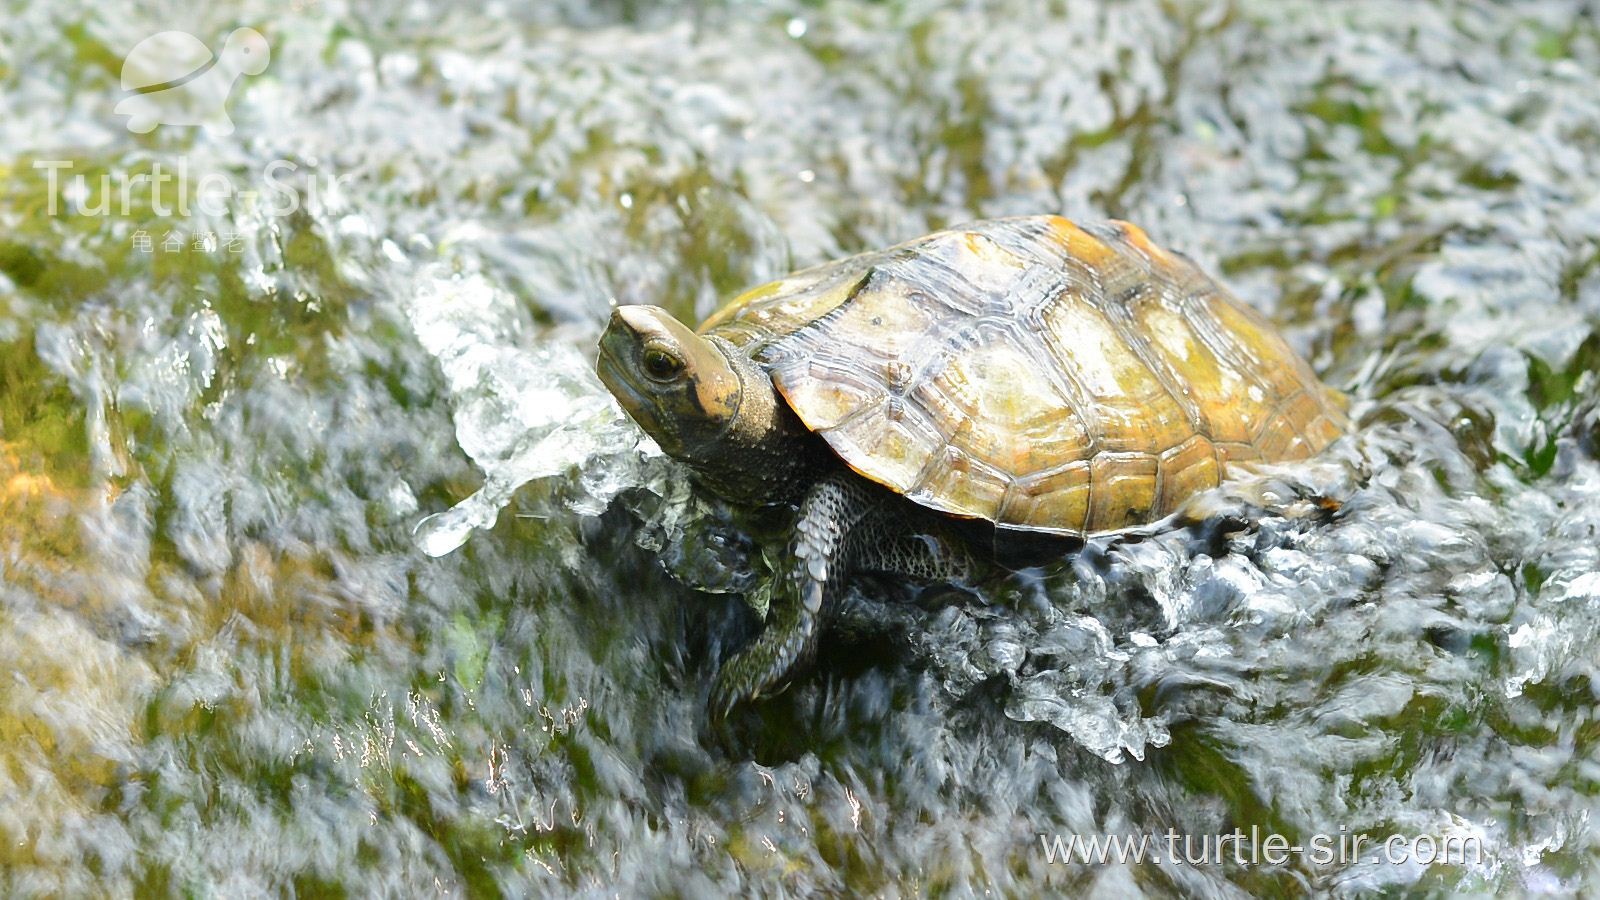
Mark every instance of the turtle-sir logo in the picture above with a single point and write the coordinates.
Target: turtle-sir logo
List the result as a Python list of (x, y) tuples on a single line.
[(174, 79)]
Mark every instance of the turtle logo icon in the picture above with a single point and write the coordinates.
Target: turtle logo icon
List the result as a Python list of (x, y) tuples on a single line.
[(172, 78)]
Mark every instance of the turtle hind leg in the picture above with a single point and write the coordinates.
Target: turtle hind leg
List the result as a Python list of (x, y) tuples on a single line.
[(817, 565)]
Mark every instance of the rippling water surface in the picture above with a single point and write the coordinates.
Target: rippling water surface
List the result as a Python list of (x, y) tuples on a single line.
[(327, 566)]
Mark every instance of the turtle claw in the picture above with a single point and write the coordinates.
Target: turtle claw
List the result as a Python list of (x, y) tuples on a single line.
[(726, 695), (781, 651), (748, 676)]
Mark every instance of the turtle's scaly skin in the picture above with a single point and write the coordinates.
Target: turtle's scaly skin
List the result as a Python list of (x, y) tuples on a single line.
[(1033, 373)]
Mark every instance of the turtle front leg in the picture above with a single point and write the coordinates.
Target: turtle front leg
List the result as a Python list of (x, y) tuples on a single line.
[(845, 525), (817, 564)]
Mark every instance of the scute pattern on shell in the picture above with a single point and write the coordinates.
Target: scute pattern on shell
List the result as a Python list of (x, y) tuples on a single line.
[(1034, 373)]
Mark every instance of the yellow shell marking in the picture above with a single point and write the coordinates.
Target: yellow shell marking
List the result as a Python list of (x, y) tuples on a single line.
[(1034, 372)]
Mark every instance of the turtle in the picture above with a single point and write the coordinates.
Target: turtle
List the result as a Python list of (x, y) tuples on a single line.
[(175, 79), (1031, 374)]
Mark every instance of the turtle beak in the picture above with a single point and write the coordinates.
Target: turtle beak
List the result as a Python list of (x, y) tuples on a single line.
[(618, 368), (619, 346)]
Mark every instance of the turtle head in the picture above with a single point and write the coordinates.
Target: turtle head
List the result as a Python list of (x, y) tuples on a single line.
[(680, 387), (247, 51)]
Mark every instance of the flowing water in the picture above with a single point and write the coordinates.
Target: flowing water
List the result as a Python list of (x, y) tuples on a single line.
[(327, 567)]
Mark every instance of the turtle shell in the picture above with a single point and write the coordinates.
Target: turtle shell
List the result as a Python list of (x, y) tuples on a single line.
[(164, 59), (1035, 373)]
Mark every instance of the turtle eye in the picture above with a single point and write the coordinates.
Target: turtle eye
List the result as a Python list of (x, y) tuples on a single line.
[(662, 364)]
